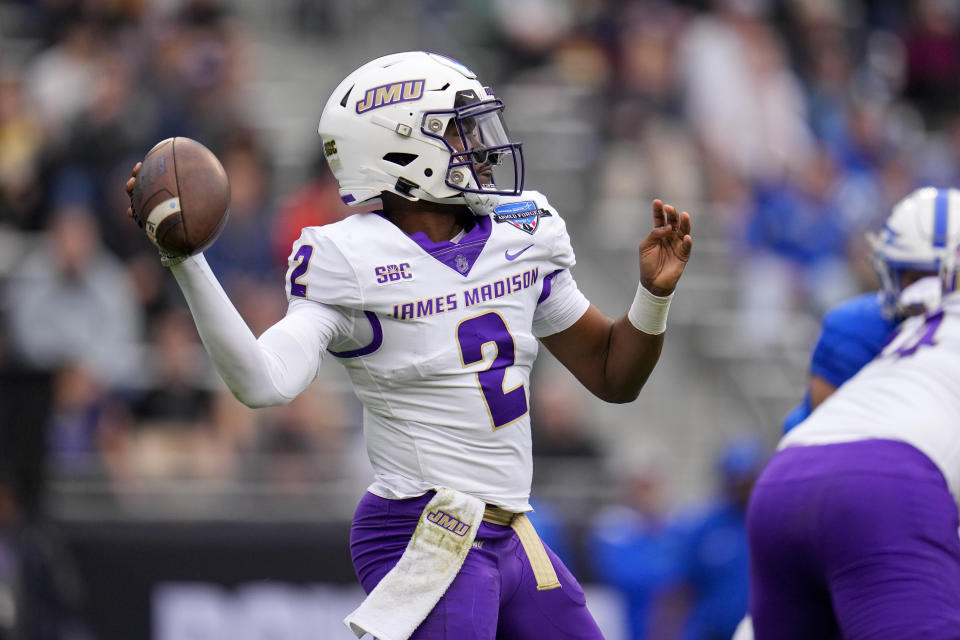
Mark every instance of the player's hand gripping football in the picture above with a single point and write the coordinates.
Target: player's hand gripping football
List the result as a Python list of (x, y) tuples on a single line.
[(166, 259), (666, 250), (180, 197), (130, 184)]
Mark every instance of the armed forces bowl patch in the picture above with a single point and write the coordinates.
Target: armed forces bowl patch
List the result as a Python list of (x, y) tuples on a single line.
[(523, 215)]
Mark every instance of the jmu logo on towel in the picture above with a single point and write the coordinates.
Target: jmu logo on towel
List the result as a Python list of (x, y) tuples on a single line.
[(404, 91), (448, 522)]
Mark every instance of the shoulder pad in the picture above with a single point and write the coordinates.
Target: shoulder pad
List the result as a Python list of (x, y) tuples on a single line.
[(318, 270)]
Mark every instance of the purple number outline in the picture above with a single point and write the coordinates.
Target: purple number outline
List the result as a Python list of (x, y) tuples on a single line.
[(926, 331), (299, 289), (503, 406)]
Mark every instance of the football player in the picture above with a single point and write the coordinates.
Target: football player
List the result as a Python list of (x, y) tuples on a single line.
[(435, 304), (853, 524), (906, 256)]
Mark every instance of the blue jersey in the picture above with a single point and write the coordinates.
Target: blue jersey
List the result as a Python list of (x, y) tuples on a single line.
[(853, 334), (715, 560), (640, 558)]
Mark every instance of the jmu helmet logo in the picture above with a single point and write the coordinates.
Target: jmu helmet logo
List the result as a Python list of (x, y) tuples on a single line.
[(403, 91)]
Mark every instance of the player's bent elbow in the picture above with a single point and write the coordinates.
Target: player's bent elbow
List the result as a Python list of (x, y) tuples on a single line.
[(616, 394), (258, 399), (622, 396)]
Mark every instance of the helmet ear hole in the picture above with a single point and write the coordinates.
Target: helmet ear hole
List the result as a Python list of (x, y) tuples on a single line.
[(428, 172), (402, 159)]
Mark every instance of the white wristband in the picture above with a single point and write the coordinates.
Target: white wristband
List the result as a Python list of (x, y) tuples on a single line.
[(648, 313)]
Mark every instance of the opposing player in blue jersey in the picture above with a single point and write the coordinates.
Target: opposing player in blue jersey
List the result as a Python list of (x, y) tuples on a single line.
[(906, 256), (435, 305)]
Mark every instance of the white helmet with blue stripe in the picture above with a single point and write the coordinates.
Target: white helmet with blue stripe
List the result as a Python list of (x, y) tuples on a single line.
[(920, 236)]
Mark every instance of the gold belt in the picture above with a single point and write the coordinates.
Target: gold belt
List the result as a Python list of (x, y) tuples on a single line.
[(543, 569)]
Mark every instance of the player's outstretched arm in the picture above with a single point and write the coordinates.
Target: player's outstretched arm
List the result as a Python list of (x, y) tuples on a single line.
[(613, 359), (262, 372), (270, 371)]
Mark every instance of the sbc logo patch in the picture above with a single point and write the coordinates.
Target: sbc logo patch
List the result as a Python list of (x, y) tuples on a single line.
[(390, 273)]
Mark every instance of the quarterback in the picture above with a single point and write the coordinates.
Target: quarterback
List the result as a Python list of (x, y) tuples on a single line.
[(436, 304)]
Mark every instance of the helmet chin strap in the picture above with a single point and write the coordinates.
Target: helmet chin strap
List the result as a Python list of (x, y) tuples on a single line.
[(481, 204)]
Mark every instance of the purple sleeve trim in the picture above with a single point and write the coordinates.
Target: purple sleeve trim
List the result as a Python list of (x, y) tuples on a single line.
[(547, 283), (370, 348)]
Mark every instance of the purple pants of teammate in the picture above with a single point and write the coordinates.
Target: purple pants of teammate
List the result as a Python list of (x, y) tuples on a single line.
[(853, 540), (494, 597)]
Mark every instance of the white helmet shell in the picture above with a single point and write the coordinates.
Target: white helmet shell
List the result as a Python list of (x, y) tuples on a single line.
[(419, 125), (922, 232)]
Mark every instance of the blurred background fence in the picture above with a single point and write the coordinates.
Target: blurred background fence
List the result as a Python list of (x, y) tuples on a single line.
[(139, 499)]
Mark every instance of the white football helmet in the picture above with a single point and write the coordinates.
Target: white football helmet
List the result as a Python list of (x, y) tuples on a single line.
[(921, 234), (419, 125)]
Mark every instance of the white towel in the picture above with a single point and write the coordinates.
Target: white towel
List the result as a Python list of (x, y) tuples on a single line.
[(432, 559)]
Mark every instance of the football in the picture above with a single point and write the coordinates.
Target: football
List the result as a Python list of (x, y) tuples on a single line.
[(181, 196)]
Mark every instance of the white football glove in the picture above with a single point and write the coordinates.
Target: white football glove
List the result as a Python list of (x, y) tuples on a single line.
[(920, 297)]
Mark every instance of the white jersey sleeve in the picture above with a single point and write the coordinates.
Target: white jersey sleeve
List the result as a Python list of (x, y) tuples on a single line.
[(267, 371), (563, 256), (319, 271), (561, 304)]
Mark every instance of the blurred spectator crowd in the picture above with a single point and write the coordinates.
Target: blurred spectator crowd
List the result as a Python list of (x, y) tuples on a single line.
[(791, 125), (87, 308), (794, 125)]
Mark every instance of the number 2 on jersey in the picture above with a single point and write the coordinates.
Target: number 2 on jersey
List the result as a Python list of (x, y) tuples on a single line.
[(504, 406), (299, 289)]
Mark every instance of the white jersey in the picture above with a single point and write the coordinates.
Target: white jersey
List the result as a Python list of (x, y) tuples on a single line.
[(910, 392), (445, 335)]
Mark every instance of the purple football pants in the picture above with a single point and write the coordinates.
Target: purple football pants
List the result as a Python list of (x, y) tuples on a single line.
[(854, 540), (494, 597)]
